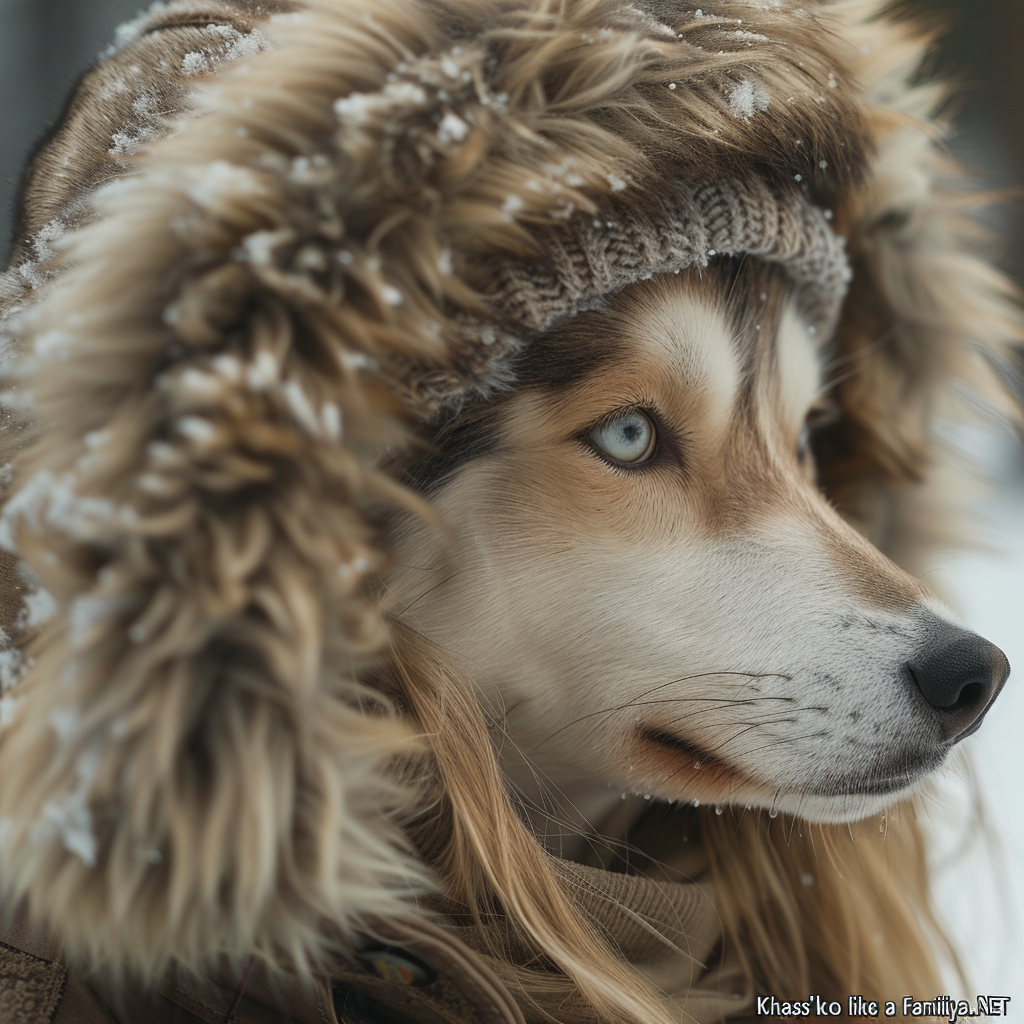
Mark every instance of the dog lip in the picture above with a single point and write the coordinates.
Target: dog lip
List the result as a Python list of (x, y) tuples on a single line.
[(663, 738), (882, 785)]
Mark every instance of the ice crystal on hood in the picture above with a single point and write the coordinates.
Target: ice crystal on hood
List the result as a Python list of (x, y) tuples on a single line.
[(50, 499), (745, 98), (219, 179), (452, 128), (331, 417), (301, 407), (12, 667), (71, 818), (145, 105), (195, 63), (753, 37), (126, 144), (50, 233), (40, 607), (512, 205), (232, 45), (357, 107), (617, 183), (263, 371), (195, 428)]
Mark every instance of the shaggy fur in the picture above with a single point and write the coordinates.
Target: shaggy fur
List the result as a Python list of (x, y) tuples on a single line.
[(195, 763)]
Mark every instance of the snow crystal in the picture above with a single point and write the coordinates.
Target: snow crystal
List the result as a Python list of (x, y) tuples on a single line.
[(300, 405), (195, 63), (331, 416), (221, 179), (262, 373), (827, 214), (823, 164), (128, 145), (832, 83), (512, 205), (392, 296), (42, 244), (40, 607), (200, 383), (8, 706), (745, 98), (114, 88), (247, 45), (753, 37), (146, 105), (617, 183), (195, 428), (82, 518), (71, 818), (357, 107), (11, 665), (452, 128), (444, 262), (358, 361)]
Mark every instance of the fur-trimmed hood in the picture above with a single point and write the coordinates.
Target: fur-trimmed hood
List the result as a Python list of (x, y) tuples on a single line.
[(351, 231)]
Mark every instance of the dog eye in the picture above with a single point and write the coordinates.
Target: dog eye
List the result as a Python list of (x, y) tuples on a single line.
[(629, 439), (803, 446)]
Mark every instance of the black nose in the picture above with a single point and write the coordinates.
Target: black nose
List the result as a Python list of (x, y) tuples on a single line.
[(960, 675)]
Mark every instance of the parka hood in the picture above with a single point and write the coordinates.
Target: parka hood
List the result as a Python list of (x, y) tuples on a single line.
[(355, 227)]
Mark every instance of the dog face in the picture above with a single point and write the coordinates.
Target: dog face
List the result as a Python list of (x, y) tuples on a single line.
[(642, 576)]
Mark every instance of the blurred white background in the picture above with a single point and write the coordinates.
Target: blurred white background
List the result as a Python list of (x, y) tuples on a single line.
[(980, 887)]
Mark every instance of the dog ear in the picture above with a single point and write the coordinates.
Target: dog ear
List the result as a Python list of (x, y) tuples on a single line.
[(928, 327)]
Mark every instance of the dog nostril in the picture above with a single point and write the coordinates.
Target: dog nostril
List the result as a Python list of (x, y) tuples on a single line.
[(960, 675)]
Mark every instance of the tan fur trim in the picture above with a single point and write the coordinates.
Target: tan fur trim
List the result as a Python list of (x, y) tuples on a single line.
[(929, 324)]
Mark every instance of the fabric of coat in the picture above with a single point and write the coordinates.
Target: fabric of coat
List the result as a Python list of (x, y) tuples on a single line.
[(407, 196)]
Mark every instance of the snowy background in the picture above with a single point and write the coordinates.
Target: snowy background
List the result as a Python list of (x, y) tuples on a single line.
[(45, 45)]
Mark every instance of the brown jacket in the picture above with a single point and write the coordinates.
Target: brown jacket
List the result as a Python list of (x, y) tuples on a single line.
[(426, 975)]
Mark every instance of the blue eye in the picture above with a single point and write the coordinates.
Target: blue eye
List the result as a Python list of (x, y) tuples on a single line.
[(630, 439)]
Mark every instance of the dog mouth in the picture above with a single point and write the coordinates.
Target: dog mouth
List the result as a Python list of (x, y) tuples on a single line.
[(709, 776), (683, 765), (886, 780)]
